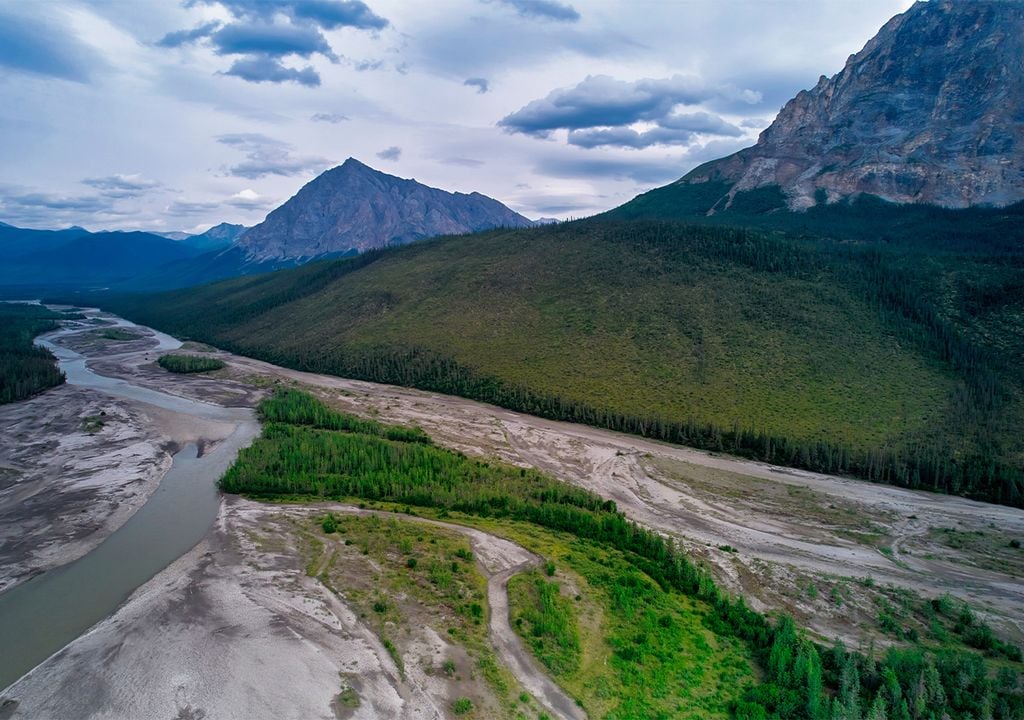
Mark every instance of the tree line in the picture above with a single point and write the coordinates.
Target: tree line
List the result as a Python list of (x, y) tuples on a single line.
[(26, 369), (971, 456), (296, 457)]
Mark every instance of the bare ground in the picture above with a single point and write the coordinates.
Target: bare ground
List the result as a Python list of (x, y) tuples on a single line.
[(75, 463), (783, 530), (238, 629)]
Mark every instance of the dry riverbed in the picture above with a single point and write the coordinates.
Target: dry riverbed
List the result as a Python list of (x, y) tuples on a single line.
[(831, 551), (245, 626), (828, 550)]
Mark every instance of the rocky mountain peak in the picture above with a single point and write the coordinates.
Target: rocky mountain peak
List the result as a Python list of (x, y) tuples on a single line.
[(930, 111), (353, 207)]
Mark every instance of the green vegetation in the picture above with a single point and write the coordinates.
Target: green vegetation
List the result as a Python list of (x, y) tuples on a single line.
[(366, 559), (881, 358), (24, 368), (189, 363), (546, 620), (644, 650), (800, 679), (119, 334), (462, 705)]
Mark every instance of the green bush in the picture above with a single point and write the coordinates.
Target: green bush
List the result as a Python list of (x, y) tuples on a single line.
[(189, 363)]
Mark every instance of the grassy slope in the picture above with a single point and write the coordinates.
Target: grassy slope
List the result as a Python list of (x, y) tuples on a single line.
[(902, 348), (617, 325)]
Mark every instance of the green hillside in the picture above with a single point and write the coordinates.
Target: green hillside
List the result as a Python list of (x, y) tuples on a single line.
[(878, 360)]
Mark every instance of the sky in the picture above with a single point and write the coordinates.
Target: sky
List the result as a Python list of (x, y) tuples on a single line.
[(165, 115)]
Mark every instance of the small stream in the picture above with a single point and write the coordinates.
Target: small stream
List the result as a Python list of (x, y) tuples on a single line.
[(42, 615)]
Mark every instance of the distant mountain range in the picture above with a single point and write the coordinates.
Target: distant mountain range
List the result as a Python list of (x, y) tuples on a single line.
[(348, 209), (353, 207), (78, 258), (930, 111)]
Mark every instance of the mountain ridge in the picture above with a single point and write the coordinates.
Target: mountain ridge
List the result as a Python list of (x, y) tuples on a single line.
[(355, 207), (948, 129)]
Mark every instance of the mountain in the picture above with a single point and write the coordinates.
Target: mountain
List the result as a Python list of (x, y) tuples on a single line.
[(216, 238), (225, 262), (930, 111), (888, 360), (173, 235), (354, 207), (78, 258)]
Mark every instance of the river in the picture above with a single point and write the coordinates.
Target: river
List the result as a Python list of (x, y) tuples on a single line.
[(42, 615)]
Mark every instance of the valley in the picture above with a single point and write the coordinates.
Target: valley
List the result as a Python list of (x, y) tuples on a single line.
[(256, 589), (714, 415)]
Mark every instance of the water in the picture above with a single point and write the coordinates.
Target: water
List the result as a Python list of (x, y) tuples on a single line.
[(42, 615)]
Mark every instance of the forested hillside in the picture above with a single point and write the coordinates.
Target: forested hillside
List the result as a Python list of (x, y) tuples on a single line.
[(24, 368), (887, 360)]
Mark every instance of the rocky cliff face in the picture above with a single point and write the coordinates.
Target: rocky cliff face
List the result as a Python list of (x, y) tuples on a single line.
[(354, 207), (930, 111)]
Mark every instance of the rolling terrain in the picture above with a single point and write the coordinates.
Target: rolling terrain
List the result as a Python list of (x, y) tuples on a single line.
[(882, 360)]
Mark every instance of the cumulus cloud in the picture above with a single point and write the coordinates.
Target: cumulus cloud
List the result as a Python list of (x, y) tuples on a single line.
[(329, 14), (267, 69), (480, 84), (263, 32), (267, 156), (38, 47), (543, 10), (679, 129), (392, 153), (249, 199), (270, 39), (333, 118), (600, 101)]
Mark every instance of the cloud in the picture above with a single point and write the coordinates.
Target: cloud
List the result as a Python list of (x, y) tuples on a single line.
[(187, 37), (643, 172), (265, 31), (671, 130), (122, 186), (274, 40), (267, 69), (333, 14), (333, 118), (480, 84), (364, 65), (462, 161), (179, 208), (37, 209), (38, 47), (328, 14), (543, 10), (249, 199), (267, 156), (392, 153), (601, 101)]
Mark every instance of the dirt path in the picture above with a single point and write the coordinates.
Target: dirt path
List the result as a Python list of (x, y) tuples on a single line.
[(500, 560), (788, 527), (238, 629)]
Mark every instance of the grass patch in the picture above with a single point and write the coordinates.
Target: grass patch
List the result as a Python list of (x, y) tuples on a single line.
[(119, 334), (546, 620)]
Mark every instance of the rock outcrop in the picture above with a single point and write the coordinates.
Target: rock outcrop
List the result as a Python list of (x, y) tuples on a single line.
[(930, 111)]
